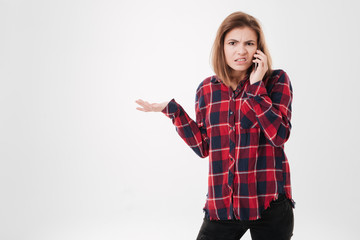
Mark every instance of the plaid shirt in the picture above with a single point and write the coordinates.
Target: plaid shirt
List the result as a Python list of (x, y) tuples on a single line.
[(243, 132)]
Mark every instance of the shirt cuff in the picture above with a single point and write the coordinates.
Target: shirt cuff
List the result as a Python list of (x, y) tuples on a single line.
[(171, 109), (256, 89)]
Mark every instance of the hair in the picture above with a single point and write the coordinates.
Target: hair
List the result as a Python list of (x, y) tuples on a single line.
[(236, 20)]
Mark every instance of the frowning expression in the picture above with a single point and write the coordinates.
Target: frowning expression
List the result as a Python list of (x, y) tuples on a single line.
[(240, 45)]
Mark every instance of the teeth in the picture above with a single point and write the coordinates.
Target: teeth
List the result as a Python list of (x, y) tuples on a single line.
[(241, 60)]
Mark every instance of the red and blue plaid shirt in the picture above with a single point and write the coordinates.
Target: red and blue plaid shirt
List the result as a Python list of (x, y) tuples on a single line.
[(243, 132)]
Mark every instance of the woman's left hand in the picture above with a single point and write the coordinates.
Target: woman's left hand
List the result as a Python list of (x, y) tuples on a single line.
[(258, 73)]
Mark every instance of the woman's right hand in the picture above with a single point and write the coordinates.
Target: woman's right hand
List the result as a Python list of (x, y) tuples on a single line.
[(150, 107)]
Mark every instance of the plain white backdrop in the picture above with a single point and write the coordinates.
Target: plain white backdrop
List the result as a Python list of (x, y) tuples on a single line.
[(77, 161)]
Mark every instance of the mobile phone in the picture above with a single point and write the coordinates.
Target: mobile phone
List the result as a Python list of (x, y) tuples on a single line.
[(255, 66)]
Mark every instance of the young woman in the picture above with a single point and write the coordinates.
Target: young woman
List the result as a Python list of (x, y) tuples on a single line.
[(242, 123)]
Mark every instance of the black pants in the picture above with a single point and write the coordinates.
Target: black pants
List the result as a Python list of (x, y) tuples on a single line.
[(276, 223)]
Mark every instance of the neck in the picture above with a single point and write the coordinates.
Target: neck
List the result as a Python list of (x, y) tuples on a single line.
[(237, 77)]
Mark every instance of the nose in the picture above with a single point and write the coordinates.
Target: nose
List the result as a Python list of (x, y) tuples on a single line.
[(241, 50)]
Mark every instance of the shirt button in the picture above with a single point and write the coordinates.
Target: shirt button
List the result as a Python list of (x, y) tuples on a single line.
[(231, 112)]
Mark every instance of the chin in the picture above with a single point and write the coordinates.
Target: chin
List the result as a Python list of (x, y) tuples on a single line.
[(240, 68)]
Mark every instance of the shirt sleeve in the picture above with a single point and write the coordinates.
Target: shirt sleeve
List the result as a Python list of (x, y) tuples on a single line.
[(273, 112), (193, 133)]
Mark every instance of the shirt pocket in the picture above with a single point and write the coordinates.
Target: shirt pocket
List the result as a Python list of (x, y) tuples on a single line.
[(247, 116)]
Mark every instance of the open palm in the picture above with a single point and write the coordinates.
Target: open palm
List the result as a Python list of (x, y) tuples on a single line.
[(150, 107)]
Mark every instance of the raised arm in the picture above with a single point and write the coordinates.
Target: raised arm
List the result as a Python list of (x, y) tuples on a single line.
[(273, 111)]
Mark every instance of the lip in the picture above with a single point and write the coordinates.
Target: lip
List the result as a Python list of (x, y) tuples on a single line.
[(240, 62)]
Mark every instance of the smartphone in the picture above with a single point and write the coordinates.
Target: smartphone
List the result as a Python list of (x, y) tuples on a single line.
[(255, 66)]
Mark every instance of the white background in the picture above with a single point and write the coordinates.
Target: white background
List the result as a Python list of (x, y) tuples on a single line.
[(77, 161)]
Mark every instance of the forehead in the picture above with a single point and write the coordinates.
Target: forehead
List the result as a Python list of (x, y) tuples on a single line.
[(243, 33)]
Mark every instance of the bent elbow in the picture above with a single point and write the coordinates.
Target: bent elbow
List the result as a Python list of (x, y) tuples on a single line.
[(203, 153)]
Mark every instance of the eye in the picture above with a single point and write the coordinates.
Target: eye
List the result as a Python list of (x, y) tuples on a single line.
[(250, 43), (231, 43)]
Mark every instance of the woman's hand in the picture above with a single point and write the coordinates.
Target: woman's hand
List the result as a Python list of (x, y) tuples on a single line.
[(150, 107), (258, 73)]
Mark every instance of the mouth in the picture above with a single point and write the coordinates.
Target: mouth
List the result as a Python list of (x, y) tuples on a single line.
[(240, 60)]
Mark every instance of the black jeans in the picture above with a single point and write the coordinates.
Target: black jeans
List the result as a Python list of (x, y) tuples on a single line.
[(276, 223)]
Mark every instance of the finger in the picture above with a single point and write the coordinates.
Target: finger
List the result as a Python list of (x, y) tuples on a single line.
[(140, 102), (141, 109), (259, 56), (260, 63), (144, 104), (148, 106), (260, 52)]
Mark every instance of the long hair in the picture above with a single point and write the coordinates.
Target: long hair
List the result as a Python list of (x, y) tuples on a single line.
[(236, 20)]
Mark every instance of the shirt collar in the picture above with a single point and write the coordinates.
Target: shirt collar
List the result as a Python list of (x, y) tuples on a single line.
[(216, 79)]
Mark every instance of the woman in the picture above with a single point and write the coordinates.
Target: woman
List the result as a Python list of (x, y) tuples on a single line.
[(242, 122)]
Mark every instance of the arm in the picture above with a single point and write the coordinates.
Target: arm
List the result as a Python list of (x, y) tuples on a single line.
[(193, 133), (273, 112)]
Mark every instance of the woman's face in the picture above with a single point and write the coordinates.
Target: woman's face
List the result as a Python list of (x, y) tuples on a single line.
[(240, 45)]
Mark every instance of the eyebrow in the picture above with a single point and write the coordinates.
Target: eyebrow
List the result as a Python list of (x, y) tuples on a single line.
[(234, 40)]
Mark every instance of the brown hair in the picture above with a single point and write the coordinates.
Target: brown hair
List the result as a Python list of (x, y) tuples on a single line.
[(236, 20)]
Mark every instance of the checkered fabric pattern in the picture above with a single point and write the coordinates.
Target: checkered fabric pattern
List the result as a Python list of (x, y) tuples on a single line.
[(243, 132)]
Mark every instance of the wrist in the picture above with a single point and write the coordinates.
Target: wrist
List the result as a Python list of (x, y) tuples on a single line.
[(254, 81)]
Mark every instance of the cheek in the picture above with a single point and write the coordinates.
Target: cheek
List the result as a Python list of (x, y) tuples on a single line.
[(252, 52), (228, 54)]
